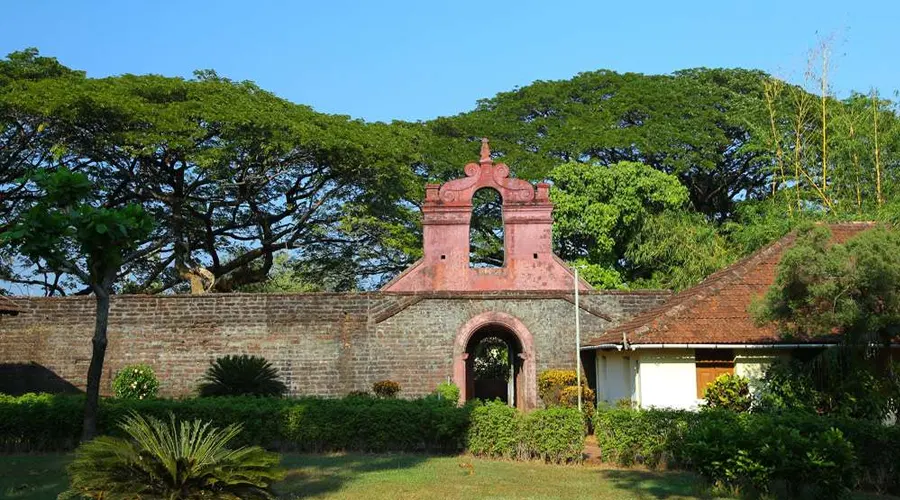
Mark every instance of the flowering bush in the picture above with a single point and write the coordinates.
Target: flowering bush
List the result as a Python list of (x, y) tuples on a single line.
[(552, 382), (386, 389), (136, 382)]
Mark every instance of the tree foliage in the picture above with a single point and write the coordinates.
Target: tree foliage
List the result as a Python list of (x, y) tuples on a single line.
[(237, 173), (70, 227), (850, 291), (731, 158), (600, 211)]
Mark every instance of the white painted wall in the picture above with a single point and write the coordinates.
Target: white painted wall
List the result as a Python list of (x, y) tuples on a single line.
[(752, 363), (668, 379), (615, 376)]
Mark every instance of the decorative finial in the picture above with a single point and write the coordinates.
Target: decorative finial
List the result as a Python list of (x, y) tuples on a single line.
[(485, 151)]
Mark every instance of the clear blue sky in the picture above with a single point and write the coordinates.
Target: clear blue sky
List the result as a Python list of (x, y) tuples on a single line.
[(383, 60)]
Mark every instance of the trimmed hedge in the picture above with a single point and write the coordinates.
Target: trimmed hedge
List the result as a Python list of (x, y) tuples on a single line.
[(45, 422), (796, 455), (642, 437), (553, 435)]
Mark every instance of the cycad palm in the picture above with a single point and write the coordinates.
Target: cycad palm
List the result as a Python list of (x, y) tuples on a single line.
[(242, 376), (171, 461)]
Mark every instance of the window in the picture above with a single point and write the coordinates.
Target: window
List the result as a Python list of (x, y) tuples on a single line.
[(711, 363)]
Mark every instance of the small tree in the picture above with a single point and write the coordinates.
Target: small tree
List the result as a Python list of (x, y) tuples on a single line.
[(850, 291), (67, 230)]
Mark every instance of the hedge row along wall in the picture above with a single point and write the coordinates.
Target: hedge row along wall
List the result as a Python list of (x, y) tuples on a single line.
[(46, 422)]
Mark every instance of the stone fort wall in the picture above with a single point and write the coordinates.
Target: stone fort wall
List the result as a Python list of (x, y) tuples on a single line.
[(325, 344)]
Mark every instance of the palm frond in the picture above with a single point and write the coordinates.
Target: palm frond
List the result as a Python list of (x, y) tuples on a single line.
[(172, 460)]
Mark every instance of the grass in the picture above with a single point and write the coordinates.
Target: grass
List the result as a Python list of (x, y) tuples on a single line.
[(39, 477), (34, 477)]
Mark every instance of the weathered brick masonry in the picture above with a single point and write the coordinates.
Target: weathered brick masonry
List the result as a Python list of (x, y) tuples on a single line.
[(325, 344)]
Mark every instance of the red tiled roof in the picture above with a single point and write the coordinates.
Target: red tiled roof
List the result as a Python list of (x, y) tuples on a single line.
[(8, 307), (715, 311)]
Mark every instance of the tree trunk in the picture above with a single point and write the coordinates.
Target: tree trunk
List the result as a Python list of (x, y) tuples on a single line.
[(95, 371)]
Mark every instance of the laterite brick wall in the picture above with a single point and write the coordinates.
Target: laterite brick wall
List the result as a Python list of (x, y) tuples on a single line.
[(325, 344)]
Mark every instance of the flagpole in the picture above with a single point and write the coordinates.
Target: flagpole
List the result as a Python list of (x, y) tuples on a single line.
[(577, 339)]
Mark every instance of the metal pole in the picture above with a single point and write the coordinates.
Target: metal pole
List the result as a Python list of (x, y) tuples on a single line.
[(577, 340)]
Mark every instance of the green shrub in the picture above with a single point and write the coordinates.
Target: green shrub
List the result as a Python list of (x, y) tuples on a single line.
[(40, 422), (242, 376), (877, 450), (825, 386), (171, 460), (386, 389), (647, 437), (447, 391), (37, 423), (568, 398), (729, 392), (793, 455), (494, 431), (136, 382), (553, 435)]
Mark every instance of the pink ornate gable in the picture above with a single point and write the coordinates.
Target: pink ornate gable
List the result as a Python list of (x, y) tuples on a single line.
[(527, 222)]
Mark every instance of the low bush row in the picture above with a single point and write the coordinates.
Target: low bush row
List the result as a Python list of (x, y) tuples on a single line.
[(44, 422), (554, 435), (795, 455)]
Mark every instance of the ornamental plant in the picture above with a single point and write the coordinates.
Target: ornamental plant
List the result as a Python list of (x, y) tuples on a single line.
[(242, 376), (386, 389), (136, 382), (551, 384), (730, 392), (172, 460), (447, 391)]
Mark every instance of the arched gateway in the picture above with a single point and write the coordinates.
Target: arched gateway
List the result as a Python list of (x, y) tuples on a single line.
[(522, 383), (528, 265)]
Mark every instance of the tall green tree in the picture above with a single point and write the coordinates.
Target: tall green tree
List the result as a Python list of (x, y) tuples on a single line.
[(26, 141), (600, 210), (696, 124), (68, 231), (237, 173)]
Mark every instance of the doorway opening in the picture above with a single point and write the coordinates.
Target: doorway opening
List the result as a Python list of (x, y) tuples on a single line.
[(494, 364)]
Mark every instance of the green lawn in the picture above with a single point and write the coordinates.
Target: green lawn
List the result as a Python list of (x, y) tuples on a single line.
[(33, 477)]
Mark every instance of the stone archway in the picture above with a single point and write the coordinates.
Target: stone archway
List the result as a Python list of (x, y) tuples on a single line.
[(497, 323)]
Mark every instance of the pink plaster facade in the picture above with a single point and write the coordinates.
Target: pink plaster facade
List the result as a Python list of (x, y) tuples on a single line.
[(530, 263)]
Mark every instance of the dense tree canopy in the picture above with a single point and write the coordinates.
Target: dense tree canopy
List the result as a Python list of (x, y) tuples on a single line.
[(658, 179), (236, 173)]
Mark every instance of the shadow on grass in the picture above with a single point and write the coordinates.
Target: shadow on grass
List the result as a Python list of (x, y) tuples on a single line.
[(650, 484), (313, 475), (32, 477)]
